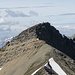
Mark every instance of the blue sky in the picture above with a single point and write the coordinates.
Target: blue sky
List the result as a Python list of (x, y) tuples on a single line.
[(17, 3), (21, 14), (58, 6)]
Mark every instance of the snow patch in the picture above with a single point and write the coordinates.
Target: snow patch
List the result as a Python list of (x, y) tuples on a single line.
[(1, 20), (1, 68), (36, 71), (37, 39), (9, 39), (56, 67)]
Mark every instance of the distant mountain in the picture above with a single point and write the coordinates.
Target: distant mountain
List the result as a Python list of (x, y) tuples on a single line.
[(4, 40), (2, 43), (15, 14), (1, 20), (66, 14), (38, 50), (20, 14), (73, 37), (33, 13)]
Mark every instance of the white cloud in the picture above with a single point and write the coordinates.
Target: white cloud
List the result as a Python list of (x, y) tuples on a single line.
[(68, 30), (65, 26), (4, 27), (9, 23), (17, 28), (1, 20)]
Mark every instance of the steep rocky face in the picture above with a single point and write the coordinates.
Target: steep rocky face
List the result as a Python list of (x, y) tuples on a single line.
[(33, 47), (52, 37)]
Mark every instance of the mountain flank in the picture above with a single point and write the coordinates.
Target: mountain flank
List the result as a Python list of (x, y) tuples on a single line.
[(32, 49)]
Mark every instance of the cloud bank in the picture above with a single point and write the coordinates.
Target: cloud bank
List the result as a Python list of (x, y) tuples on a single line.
[(67, 14), (15, 14), (12, 13)]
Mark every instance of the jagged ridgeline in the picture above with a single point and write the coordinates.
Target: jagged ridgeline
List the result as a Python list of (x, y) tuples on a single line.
[(48, 33), (32, 49)]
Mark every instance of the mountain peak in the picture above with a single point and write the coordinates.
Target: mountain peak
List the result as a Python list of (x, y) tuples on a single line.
[(49, 34), (36, 32), (32, 48)]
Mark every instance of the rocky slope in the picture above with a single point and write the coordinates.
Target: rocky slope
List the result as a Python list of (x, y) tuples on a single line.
[(32, 49)]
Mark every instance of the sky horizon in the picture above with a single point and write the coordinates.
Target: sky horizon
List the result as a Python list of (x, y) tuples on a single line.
[(20, 15)]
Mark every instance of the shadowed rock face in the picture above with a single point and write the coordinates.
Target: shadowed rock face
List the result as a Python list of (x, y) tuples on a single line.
[(52, 37)]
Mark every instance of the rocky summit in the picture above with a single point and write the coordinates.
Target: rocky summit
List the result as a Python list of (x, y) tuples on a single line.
[(38, 50)]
